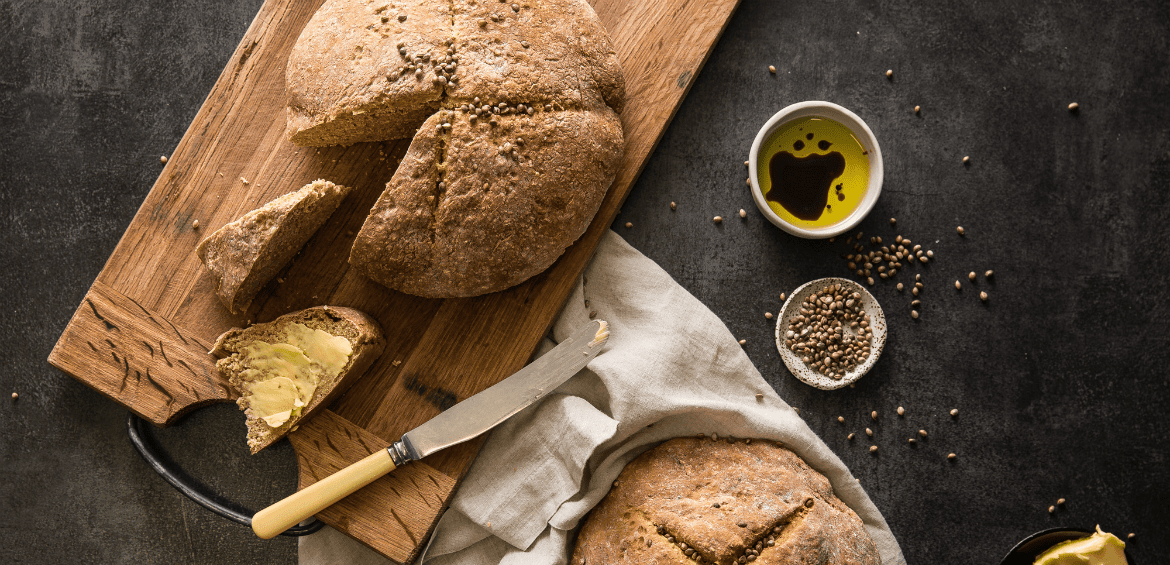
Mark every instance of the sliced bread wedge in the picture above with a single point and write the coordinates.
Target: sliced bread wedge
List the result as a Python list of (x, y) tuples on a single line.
[(284, 369), (245, 254)]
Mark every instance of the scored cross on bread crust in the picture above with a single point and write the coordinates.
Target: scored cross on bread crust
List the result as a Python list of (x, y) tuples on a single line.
[(519, 137), (703, 501)]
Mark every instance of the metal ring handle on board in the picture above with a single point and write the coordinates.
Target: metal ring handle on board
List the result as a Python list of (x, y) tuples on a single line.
[(189, 487)]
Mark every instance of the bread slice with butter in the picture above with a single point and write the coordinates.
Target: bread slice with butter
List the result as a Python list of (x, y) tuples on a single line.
[(245, 254), (284, 369)]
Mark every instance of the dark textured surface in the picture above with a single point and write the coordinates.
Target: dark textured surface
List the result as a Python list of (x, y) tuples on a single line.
[(1060, 377)]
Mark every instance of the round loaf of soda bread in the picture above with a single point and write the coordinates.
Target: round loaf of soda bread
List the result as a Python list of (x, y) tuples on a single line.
[(694, 500), (518, 136)]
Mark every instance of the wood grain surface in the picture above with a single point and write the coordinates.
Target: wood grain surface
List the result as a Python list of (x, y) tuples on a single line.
[(141, 334)]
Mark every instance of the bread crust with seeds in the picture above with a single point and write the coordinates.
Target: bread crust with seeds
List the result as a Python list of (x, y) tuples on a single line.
[(662, 510), (360, 329), (347, 81), (512, 197), (468, 212)]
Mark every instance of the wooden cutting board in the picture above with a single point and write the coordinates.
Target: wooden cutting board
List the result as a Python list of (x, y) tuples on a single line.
[(142, 332)]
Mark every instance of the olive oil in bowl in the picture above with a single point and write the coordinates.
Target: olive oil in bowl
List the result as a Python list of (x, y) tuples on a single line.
[(812, 175)]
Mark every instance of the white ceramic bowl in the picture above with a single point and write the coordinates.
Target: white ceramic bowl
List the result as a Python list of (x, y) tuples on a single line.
[(877, 322), (864, 135)]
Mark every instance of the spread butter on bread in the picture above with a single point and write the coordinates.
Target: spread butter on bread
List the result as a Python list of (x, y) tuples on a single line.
[(282, 370)]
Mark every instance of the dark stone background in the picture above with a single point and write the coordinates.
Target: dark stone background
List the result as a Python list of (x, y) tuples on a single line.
[(1060, 377)]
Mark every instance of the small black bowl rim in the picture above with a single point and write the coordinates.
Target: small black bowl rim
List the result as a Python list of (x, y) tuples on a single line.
[(1050, 531)]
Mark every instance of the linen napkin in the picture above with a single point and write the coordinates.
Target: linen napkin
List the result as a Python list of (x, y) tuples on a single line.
[(671, 368)]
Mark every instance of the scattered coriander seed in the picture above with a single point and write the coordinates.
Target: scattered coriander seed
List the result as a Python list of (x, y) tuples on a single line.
[(742, 213), (960, 230), (954, 412), (922, 433), (195, 224), (983, 296), (515, 7), (717, 219), (958, 285), (914, 314), (912, 442), (743, 342), (163, 159), (873, 449), (1060, 501), (971, 276), (873, 415), (673, 206), (759, 396), (917, 278), (869, 281), (900, 287), (1052, 510), (914, 291), (772, 69), (893, 221), (15, 396), (841, 419), (966, 159), (1073, 107), (901, 411), (868, 432), (850, 436), (890, 73), (988, 274), (1130, 535), (768, 315), (783, 297), (951, 456), (746, 163), (629, 224), (917, 109)]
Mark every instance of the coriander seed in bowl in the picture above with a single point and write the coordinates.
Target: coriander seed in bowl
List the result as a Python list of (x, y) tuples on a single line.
[(830, 332)]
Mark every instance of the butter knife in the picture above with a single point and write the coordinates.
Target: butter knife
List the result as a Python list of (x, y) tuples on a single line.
[(458, 424)]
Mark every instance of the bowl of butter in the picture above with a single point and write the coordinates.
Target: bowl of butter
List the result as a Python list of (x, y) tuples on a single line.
[(1069, 546)]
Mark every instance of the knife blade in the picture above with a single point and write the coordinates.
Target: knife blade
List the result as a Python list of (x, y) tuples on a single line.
[(460, 423)]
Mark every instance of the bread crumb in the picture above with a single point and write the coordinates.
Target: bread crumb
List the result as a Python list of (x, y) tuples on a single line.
[(243, 180), (397, 362), (195, 224)]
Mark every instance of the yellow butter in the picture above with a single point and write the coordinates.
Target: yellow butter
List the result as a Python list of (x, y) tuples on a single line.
[(285, 376), (1100, 548), (274, 400), (328, 351)]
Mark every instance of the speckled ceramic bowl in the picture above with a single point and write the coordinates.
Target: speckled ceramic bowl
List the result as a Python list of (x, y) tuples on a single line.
[(792, 308), (1026, 552)]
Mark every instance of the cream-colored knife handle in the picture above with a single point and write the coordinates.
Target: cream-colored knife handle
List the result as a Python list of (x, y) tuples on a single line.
[(281, 516)]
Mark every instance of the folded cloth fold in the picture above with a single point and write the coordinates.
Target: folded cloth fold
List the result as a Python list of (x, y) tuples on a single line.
[(671, 368)]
